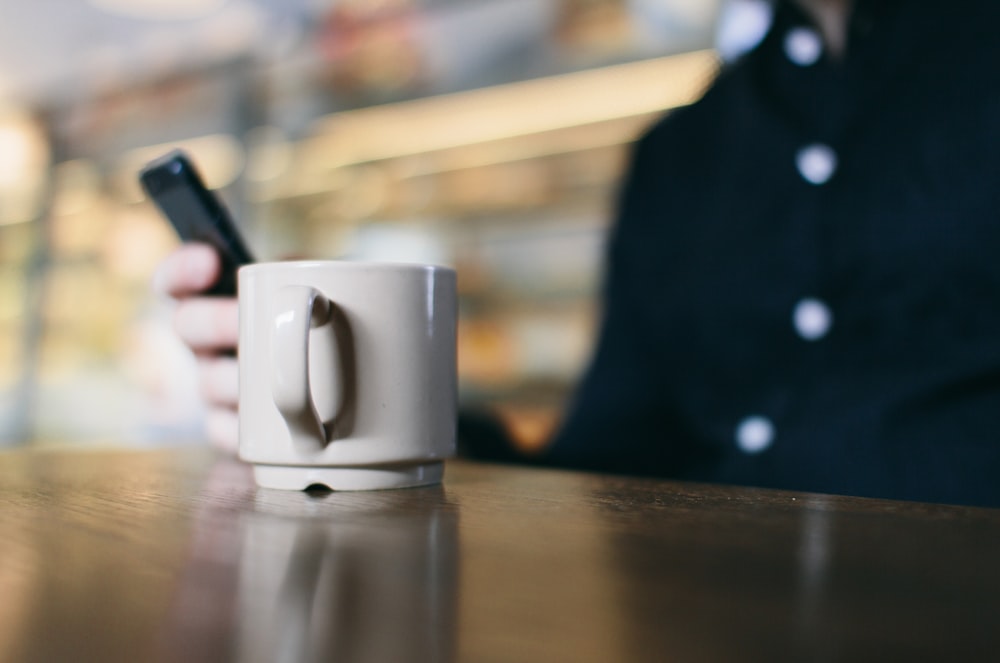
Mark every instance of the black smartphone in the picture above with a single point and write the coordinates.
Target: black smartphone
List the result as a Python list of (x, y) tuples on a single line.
[(173, 183)]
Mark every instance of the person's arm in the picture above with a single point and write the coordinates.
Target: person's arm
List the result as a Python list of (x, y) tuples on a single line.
[(210, 327), (616, 419), (611, 424)]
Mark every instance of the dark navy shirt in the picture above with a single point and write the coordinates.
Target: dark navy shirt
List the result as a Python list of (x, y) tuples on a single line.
[(803, 285)]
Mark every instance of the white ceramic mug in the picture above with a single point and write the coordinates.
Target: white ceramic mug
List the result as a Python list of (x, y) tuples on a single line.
[(347, 373)]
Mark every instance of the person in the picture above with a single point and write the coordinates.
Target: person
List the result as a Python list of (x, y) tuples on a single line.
[(802, 290), (210, 327)]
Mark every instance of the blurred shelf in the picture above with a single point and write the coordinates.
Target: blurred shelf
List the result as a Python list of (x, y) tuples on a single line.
[(525, 108), (518, 122), (512, 184)]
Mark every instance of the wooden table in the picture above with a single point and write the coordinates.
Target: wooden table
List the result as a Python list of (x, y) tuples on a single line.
[(176, 556)]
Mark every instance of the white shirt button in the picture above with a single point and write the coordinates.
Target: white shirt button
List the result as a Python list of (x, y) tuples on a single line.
[(741, 25), (754, 434), (816, 163), (803, 46), (812, 319)]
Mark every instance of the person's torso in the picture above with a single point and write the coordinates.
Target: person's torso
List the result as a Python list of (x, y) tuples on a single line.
[(819, 251)]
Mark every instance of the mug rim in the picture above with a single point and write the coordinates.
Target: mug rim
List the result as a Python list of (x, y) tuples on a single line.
[(344, 263)]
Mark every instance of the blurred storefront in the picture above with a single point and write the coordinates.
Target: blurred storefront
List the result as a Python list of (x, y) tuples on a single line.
[(489, 135)]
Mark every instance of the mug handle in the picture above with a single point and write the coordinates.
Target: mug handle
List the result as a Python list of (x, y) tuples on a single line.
[(297, 309)]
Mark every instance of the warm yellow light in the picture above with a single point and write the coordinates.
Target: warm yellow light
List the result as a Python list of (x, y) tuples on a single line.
[(22, 149), (15, 146), (518, 109), (578, 111), (24, 158)]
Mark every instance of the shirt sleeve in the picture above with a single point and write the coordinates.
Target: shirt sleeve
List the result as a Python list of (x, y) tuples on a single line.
[(617, 408)]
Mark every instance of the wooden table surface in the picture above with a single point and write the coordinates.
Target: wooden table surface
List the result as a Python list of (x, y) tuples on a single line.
[(175, 556)]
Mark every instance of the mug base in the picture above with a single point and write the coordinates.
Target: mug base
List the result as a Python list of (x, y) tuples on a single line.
[(292, 477)]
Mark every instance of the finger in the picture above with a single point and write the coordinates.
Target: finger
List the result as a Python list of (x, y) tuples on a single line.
[(191, 269), (208, 323), (222, 428), (220, 381)]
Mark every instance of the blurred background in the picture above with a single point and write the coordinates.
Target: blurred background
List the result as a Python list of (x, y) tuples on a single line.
[(488, 135)]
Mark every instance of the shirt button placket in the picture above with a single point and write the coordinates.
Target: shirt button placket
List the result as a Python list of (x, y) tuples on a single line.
[(816, 163)]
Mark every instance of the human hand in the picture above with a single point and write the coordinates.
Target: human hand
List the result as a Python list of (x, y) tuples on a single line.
[(210, 327)]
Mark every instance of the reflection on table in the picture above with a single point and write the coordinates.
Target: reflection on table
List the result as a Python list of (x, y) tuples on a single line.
[(177, 556), (373, 582), (364, 576)]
